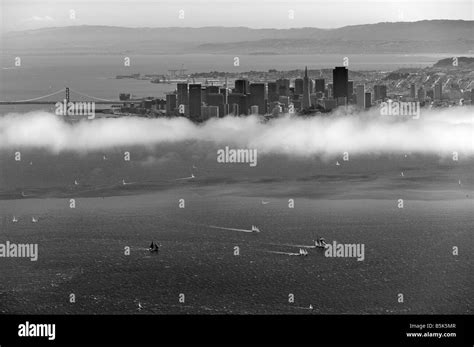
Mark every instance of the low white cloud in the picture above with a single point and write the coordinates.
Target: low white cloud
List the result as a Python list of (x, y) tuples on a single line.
[(41, 19), (440, 131)]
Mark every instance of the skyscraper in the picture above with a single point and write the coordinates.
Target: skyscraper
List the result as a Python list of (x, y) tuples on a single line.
[(320, 85), (299, 86), (360, 96), (215, 99), (272, 91), (182, 94), (242, 86), (340, 77), (195, 102), (257, 97), (350, 88), (170, 104), (283, 87), (306, 102), (240, 100)]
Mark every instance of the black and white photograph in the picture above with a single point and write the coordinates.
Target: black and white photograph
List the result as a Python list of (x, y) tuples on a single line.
[(216, 163)]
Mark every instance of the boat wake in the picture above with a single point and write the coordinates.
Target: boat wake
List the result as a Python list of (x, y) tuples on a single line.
[(231, 229), (282, 253)]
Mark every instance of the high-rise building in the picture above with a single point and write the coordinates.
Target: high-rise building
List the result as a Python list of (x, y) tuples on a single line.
[(182, 94), (412, 91), (438, 91), (225, 92), (215, 99), (283, 87), (241, 86), (257, 97), (380, 92), (360, 96), (240, 100), (195, 102), (350, 88), (368, 100), (299, 86), (170, 104), (272, 92), (340, 77), (320, 85), (306, 102)]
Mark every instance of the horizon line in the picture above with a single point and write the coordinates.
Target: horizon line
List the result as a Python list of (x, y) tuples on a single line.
[(233, 27)]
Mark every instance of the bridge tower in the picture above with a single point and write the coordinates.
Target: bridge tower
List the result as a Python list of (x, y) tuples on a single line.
[(67, 95)]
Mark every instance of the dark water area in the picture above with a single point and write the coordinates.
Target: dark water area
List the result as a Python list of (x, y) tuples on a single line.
[(81, 250)]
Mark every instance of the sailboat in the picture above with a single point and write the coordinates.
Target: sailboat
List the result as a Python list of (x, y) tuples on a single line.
[(255, 229), (33, 220), (76, 183), (337, 163), (154, 248), (303, 252), (14, 220), (402, 174), (320, 243)]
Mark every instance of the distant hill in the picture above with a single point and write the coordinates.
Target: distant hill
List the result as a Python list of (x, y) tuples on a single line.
[(462, 63), (436, 36)]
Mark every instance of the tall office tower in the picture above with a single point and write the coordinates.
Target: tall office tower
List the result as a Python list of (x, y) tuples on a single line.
[(306, 102), (241, 86), (350, 88), (421, 94), (182, 94), (257, 97), (170, 104), (283, 87), (360, 96), (299, 86), (272, 91), (438, 91), (195, 102), (203, 95), (215, 99), (380, 92), (412, 91), (240, 100), (340, 76), (368, 100), (320, 85), (225, 92)]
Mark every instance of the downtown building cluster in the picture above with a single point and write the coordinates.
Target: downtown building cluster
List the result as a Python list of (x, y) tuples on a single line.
[(302, 95)]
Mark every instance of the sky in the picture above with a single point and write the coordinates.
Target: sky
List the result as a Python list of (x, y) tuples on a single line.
[(280, 14)]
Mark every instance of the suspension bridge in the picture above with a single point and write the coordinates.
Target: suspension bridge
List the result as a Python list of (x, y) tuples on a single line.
[(41, 99)]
